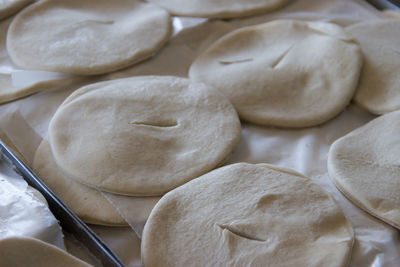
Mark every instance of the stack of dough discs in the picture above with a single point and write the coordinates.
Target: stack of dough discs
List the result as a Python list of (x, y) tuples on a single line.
[(219, 9), (86, 37), (379, 89), (144, 135), (21, 252), (87, 203), (247, 215), (283, 73), (365, 166), (10, 7)]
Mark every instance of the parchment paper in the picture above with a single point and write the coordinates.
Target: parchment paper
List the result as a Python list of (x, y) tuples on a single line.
[(304, 150)]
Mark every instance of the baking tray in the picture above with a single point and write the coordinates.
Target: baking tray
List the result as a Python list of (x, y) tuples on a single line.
[(68, 220), (386, 4)]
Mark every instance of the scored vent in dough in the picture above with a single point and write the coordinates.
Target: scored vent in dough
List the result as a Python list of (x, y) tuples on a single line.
[(219, 8), (365, 166), (181, 49), (20, 252), (143, 136), (247, 215), (87, 203), (379, 88), (283, 73), (86, 37)]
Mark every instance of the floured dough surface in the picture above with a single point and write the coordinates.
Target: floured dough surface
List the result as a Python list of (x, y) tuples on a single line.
[(87, 203), (379, 88), (247, 215), (143, 135), (283, 73), (69, 36), (365, 166), (219, 8), (10, 7), (18, 251)]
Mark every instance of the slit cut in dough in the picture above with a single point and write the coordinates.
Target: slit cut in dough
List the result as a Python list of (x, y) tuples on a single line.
[(87, 37), (247, 215), (283, 73), (143, 136)]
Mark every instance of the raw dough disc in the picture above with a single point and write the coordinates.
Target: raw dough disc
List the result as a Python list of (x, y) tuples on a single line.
[(8, 91), (365, 166), (283, 73), (86, 37), (247, 215), (379, 88), (87, 203), (10, 7), (219, 8), (143, 135), (18, 251)]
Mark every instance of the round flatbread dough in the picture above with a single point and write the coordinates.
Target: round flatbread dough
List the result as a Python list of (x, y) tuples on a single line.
[(247, 215), (143, 136), (379, 88), (86, 37), (365, 166), (87, 203), (10, 91), (10, 7), (283, 73), (219, 8), (21, 252)]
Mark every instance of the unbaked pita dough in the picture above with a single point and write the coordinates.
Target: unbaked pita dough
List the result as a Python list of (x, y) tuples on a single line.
[(25, 252), (86, 37), (247, 215), (379, 88), (219, 8), (176, 57), (283, 73), (142, 136), (9, 91), (88, 203), (10, 7), (365, 166)]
